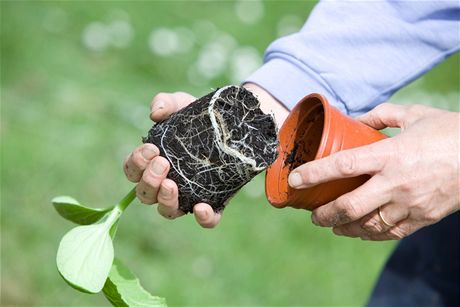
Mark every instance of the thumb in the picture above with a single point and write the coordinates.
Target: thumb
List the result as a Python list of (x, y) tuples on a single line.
[(385, 115), (164, 104)]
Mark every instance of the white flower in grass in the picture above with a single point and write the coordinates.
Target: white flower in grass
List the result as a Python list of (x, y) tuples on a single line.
[(249, 12), (164, 41), (212, 60), (244, 61), (204, 30), (186, 39), (121, 33), (96, 36)]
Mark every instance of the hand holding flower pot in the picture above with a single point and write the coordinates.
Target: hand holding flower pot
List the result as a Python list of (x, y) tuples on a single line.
[(314, 130)]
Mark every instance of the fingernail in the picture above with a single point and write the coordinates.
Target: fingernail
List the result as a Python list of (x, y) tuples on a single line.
[(157, 106), (337, 231), (158, 168), (364, 237), (295, 179), (148, 152)]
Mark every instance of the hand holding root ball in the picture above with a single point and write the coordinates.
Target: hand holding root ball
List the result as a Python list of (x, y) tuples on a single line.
[(145, 166), (415, 175), (202, 154)]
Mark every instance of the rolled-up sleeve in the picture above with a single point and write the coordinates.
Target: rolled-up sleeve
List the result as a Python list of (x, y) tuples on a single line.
[(358, 53)]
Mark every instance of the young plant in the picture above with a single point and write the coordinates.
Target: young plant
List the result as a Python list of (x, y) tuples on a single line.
[(214, 146), (85, 257)]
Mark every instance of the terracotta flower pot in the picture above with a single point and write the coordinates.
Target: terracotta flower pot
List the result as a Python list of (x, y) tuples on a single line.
[(314, 130)]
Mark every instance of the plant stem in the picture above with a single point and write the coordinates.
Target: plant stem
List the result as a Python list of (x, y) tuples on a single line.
[(126, 201)]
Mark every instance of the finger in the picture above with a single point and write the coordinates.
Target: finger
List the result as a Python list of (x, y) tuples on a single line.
[(138, 160), (385, 115), (205, 215), (148, 186), (168, 212), (400, 231), (352, 230), (353, 205), (372, 224), (392, 213), (168, 203), (367, 159), (164, 104)]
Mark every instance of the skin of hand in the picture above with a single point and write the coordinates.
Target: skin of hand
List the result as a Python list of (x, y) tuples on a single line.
[(414, 175), (146, 167)]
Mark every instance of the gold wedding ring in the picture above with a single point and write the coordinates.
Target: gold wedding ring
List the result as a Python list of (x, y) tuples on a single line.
[(384, 221)]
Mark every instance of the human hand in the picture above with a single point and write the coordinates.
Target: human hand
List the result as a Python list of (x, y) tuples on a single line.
[(146, 167), (415, 175)]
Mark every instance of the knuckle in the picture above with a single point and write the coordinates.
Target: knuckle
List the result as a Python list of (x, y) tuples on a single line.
[(396, 234), (131, 172), (309, 174), (382, 108), (373, 226), (346, 164), (165, 197), (316, 216), (143, 196), (416, 205), (168, 200), (150, 179), (407, 188), (432, 216), (162, 160), (138, 160), (347, 208), (329, 216), (151, 147), (131, 176)]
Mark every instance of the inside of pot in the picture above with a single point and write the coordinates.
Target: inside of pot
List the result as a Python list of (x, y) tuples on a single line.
[(301, 135), (308, 136)]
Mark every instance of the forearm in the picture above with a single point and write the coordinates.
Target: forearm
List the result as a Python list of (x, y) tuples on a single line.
[(358, 54)]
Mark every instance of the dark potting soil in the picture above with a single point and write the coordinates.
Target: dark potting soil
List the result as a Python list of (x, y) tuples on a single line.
[(307, 139), (216, 145)]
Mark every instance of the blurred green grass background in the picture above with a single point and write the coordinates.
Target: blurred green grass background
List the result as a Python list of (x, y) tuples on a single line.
[(76, 82)]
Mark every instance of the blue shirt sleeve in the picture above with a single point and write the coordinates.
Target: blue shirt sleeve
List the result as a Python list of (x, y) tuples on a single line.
[(359, 53)]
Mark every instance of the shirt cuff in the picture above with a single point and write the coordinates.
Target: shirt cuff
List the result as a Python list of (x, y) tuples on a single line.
[(289, 80)]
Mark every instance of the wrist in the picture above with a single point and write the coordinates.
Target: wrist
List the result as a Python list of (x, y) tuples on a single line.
[(268, 103)]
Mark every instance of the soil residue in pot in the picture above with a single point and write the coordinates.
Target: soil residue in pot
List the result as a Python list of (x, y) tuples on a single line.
[(216, 145), (306, 140)]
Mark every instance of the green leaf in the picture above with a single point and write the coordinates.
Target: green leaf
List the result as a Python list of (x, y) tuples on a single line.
[(123, 289), (70, 209), (85, 256)]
